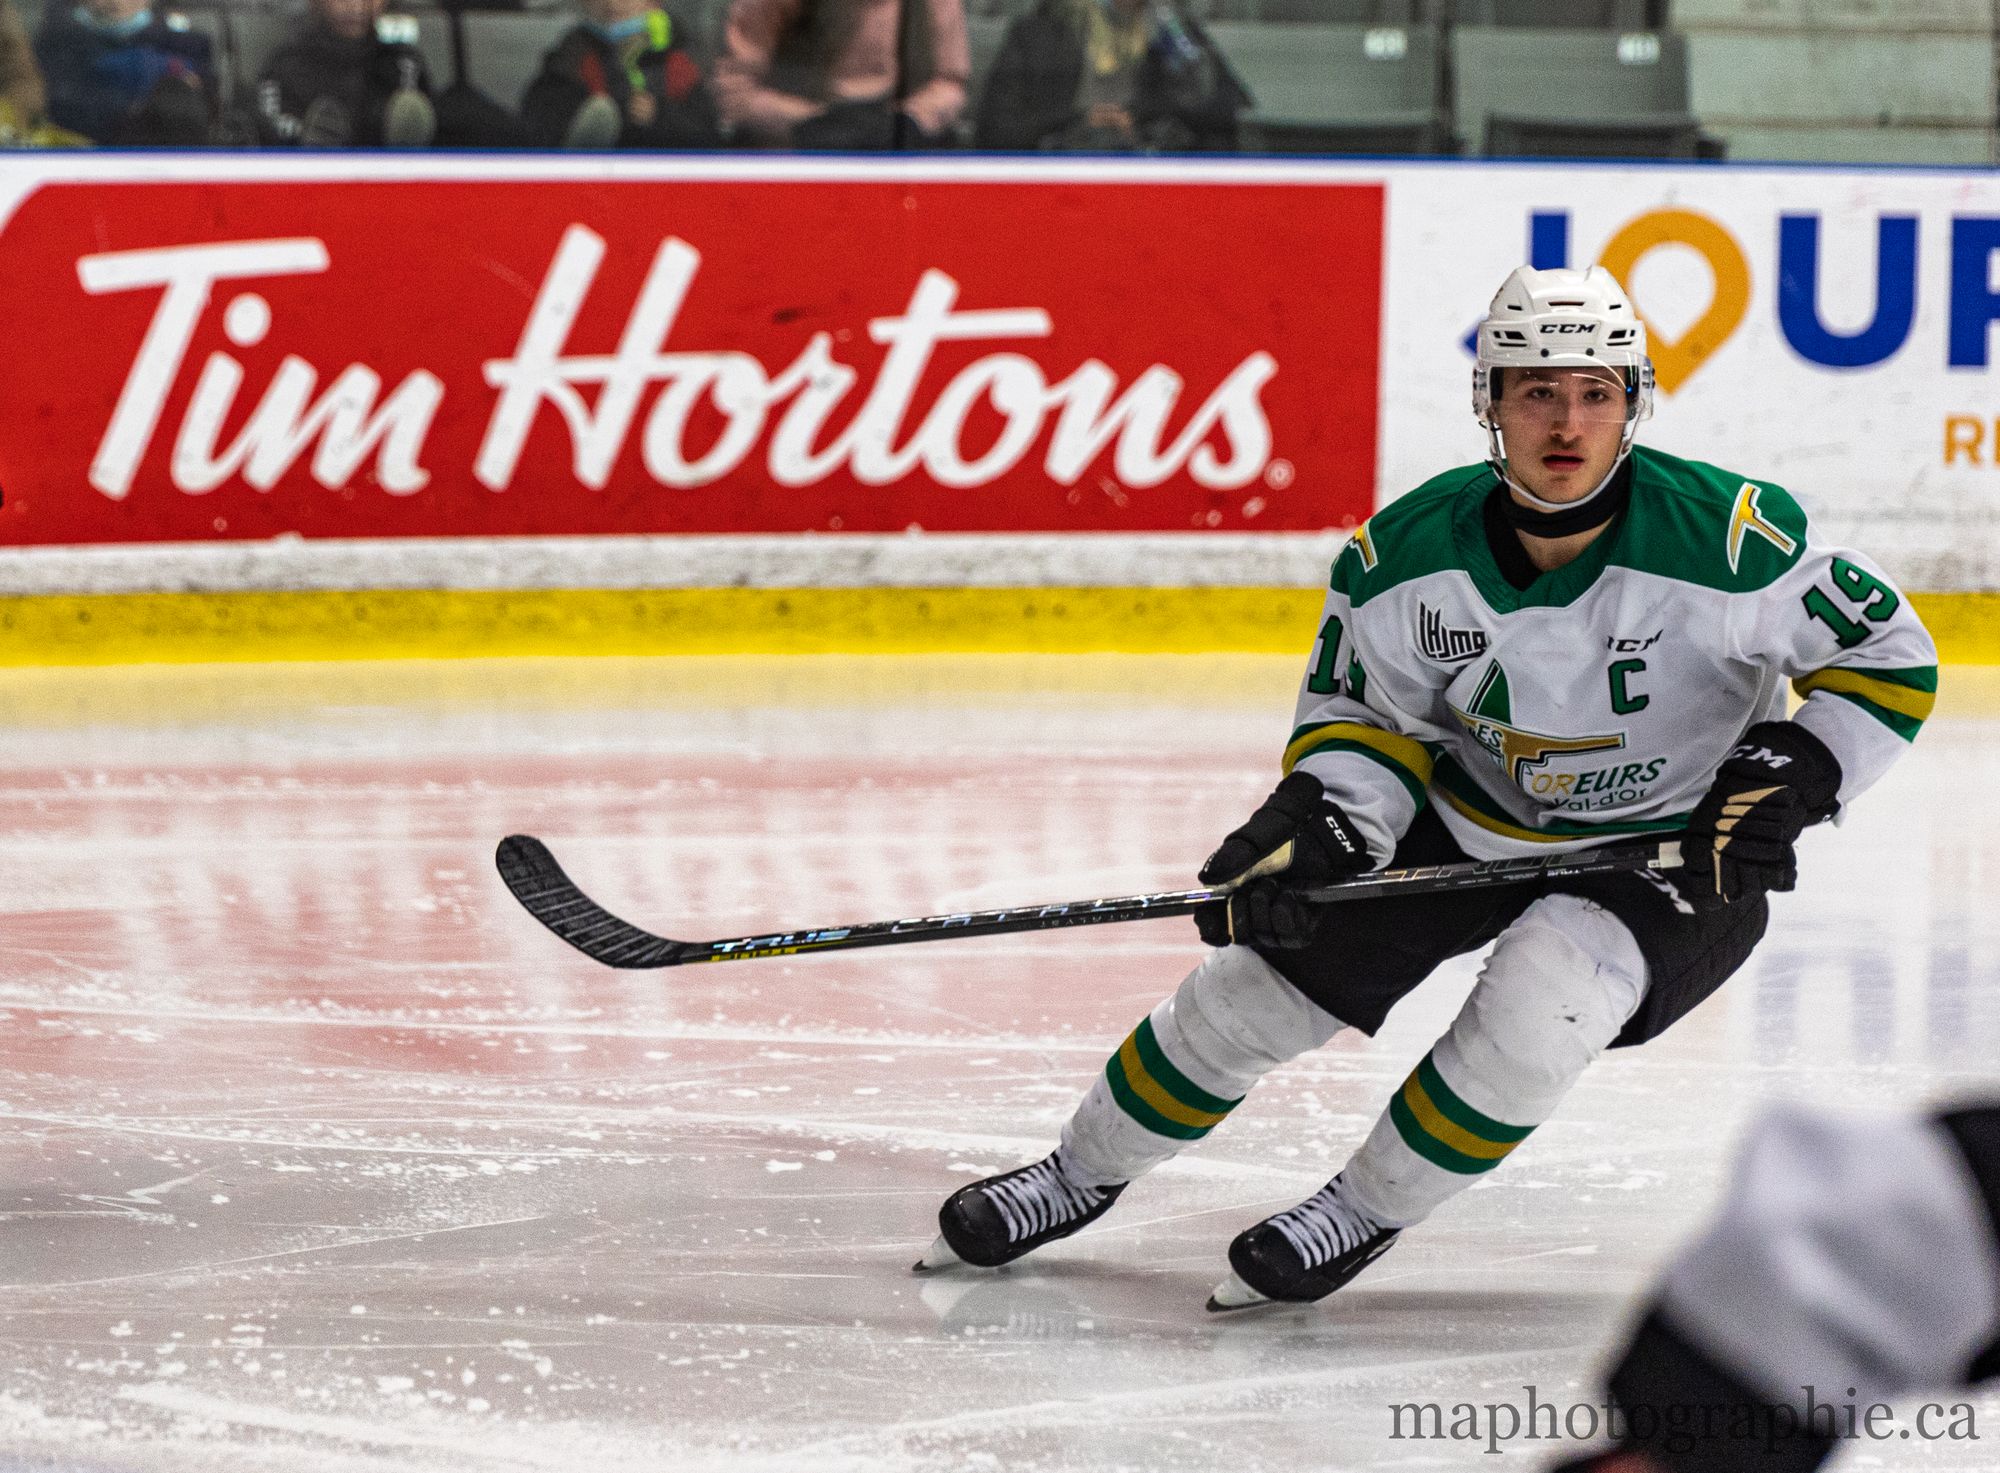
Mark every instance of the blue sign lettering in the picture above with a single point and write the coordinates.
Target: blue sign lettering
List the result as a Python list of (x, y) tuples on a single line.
[(1974, 303), (1895, 293)]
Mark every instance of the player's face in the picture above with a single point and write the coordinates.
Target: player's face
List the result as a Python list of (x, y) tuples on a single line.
[(1561, 428)]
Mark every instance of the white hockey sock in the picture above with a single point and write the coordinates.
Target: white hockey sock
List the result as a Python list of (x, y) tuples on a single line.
[(1560, 983), (1188, 1064)]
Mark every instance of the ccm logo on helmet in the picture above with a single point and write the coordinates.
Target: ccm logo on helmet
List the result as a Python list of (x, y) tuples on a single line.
[(1566, 327)]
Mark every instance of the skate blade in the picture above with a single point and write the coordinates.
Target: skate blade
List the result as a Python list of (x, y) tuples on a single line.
[(1233, 1294), (938, 1255)]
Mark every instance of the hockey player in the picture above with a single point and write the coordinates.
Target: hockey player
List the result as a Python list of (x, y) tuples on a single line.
[(1577, 642)]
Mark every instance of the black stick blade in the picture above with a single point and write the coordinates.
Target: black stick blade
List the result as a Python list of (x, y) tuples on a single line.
[(552, 898)]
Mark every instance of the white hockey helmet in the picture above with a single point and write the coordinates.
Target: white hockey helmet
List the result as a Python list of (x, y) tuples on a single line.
[(1563, 318)]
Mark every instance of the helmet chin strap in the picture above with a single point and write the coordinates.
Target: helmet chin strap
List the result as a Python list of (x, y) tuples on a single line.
[(1571, 514)]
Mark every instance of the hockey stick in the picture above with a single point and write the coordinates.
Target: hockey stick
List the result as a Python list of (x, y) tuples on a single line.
[(552, 898)]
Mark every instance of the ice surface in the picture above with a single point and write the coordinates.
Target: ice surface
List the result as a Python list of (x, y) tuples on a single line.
[(315, 1152)]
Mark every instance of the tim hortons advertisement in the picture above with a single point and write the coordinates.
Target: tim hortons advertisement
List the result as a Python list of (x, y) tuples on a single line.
[(242, 357)]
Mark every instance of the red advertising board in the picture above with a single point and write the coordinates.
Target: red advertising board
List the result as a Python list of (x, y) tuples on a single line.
[(235, 358)]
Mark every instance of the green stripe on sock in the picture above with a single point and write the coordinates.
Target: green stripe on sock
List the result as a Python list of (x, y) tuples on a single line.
[(1429, 1146), (1463, 1115), (1171, 1079), (1143, 1113)]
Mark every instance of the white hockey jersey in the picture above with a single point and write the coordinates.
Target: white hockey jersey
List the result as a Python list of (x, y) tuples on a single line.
[(1598, 701)]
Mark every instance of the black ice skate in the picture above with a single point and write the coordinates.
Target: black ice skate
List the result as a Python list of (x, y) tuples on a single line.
[(1302, 1254), (997, 1220)]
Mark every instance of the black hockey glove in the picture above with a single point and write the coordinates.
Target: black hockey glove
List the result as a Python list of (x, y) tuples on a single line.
[(1299, 839), (1738, 843)]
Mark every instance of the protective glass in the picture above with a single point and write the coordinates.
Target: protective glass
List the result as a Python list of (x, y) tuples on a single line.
[(1536, 400)]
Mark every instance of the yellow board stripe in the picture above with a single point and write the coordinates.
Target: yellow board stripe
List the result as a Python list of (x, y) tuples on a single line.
[(1153, 1093), (1401, 750), (1915, 704), (136, 628), (1457, 1137), (1965, 626), (131, 628)]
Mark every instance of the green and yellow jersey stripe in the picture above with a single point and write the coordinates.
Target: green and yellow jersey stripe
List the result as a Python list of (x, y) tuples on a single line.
[(1900, 699), (1409, 761), (1456, 786)]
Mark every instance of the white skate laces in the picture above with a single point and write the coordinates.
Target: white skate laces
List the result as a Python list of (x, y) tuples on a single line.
[(1040, 1197), (1325, 1225)]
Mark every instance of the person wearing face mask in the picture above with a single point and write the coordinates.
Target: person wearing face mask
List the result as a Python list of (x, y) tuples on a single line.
[(1115, 76), (625, 77), (1580, 641), (119, 72)]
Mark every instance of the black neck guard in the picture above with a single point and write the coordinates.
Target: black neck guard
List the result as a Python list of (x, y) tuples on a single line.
[(1584, 516)]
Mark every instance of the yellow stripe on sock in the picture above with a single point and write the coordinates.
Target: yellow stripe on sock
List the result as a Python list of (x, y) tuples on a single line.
[(1457, 1137), (1153, 1093)]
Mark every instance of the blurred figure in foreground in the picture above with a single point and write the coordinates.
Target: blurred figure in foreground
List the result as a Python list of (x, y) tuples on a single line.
[(844, 74), (623, 78), (1854, 1260), (119, 72), (1114, 76)]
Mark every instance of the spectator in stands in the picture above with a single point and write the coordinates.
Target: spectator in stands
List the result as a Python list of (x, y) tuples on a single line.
[(623, 78), (350, 75), (844, 74), (353, 75), (117, 71), (23, 100), (1109, 75), (21, 95)]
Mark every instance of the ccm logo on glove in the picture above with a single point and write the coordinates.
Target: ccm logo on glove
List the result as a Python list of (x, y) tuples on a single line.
[(1297, 840), (1740, 838)]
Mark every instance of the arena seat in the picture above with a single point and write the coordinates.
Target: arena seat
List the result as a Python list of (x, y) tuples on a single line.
[(1590, 93), (1558, 15), (1337, 89), (1316, 12), (984, 35), (504, 50), (1665, 137), (255, 34)]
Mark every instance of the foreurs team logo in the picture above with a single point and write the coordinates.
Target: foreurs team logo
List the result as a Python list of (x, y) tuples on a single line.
[(1440, 641), (1515, 748)]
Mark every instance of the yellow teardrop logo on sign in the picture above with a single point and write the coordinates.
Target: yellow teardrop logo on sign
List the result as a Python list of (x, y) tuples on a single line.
[(1675, 360)]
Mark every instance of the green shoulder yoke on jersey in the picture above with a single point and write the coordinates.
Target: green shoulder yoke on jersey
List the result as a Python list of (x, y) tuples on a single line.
[(1701, 524), (1409, 538), (1687, 520)]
